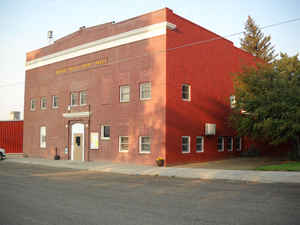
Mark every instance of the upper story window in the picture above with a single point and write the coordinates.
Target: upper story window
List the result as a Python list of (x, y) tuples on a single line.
[(220, 144), (43, 103), (229, 144), (83, 97), (43, 137), (74, 98), (145, 144), (232, 101), (124, 93), (32, 104), (186, 92), (199, 144), (185, 144), (54, 101), (105, 132), (145, 91)]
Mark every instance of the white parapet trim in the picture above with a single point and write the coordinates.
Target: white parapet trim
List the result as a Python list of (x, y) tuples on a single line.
[(102, 44), (76, 114)]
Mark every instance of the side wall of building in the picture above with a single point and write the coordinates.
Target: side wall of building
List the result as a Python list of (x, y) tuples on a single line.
[(205, 61)]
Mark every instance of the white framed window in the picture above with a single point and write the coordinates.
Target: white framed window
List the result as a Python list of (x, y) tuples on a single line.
[(54, 101), (199, 144), (43, 103), (83, 97), (232, 101), (124, 93), (145, 144), (230, 144), (74, 98), (220, 144), (145, 91), (32, 104), (43, 137), (105, 132), (238, 141), (123, 143), (186, 92), (185, 144)]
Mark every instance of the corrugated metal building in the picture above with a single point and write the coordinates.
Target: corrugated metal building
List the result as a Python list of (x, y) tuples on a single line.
[(11, 136)]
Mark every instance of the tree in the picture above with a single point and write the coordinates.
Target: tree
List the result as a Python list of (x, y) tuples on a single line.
[(256, 43), (268, 102)]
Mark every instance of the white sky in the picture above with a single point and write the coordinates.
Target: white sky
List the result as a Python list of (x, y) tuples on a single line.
[(24, 26)]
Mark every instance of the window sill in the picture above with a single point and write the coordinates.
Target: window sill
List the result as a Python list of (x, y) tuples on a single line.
[(105, 139), (145, 99), (186, 100), (185, 152), (145, 152), (123, 151), (200, 151)]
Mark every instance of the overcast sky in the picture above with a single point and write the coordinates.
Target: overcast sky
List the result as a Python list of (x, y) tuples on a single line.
[(24, 26)]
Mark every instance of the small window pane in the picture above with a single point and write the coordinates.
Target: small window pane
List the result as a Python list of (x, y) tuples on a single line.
[(74, 99), (145, 144), (145, 91), (229, 143), (123, 144), (220, 144), (186, 91), (185, 144), (199, 144), (32, 104), (83, 98), (55, 102), (43, 137), (43, 103), (124, 93)]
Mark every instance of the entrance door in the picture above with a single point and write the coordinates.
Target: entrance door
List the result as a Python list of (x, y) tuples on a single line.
[(77, 142), (78, 148)]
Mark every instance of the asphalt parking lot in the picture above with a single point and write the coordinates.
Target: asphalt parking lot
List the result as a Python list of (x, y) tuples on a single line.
[(32, 194)]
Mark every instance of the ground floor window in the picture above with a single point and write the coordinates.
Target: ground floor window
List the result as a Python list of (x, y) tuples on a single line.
[(105, 132), (229, 144), (220, 144), (185, 144), (145, 144), (238, 141), (43, 137), (123, 144), (199, 144)]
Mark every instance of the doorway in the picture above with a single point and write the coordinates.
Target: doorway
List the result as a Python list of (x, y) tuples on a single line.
[(77, 148)]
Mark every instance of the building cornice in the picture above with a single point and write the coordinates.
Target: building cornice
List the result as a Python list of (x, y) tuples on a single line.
[(102, 44)]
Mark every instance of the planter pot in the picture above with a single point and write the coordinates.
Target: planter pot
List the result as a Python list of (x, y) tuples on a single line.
[(160, 162)]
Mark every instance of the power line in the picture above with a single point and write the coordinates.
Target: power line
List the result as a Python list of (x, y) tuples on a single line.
[(181, 46)]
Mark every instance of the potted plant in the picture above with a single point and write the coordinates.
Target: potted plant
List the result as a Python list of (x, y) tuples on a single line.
[(160, 161)]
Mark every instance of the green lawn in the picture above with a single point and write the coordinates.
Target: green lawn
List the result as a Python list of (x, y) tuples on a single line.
[(293, 166)]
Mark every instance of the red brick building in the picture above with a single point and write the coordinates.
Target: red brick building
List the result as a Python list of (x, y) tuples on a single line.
[(133, 91)]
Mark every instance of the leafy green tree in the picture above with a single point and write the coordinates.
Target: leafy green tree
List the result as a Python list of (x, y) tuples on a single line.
[(268, 102), (256, 43)]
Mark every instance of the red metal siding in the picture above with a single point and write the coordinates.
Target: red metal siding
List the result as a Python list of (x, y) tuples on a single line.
[(11, 136)]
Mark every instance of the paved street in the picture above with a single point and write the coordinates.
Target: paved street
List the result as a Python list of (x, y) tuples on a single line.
[(33, 194)]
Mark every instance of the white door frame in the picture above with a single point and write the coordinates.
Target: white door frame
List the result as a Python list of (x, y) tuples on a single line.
[(77, 128)]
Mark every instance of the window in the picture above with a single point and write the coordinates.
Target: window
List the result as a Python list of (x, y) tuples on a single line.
[(43, 137), (105, 132), (186, 92), (145, 144), (74, 99), (199, 144), (145, 91), (229, 144), (124, 93), (232, 101), (220, 144), (54, 101), (43, 103), (238, 141), (32, 104), (185, 144), (123, 144), (83, 98)]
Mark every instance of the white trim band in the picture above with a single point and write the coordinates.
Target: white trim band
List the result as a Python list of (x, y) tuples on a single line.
[(105, 43)]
